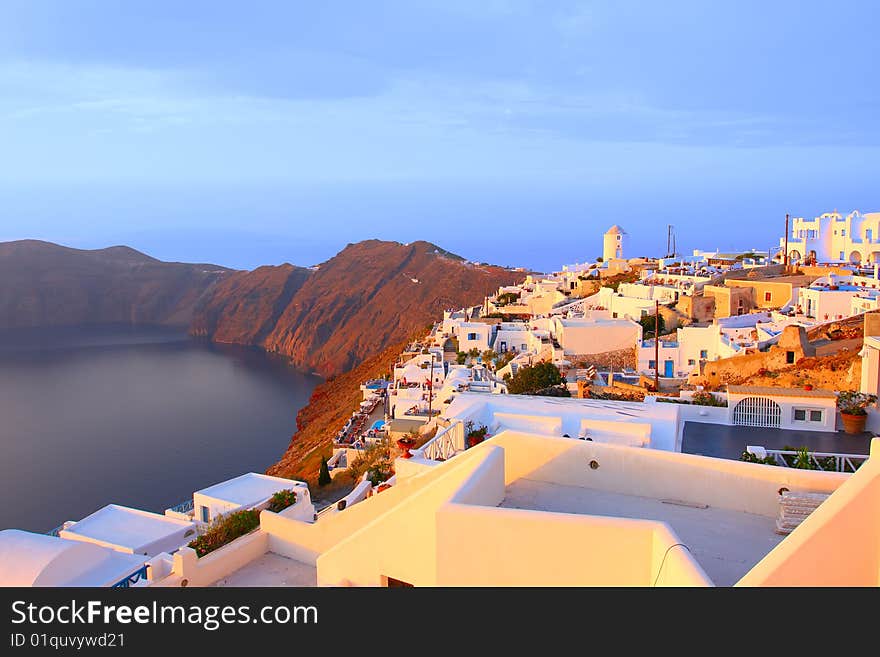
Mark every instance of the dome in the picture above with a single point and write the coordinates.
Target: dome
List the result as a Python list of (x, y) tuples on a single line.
[(28, 559), (615, 230)]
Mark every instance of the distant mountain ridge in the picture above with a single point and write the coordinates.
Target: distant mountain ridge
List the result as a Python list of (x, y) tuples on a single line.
[(45, 284), (332, 317), (328, 318)]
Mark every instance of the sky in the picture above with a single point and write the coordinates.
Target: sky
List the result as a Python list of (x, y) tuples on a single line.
[(508, 131)]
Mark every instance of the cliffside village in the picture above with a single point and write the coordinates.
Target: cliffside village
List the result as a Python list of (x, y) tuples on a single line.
[(689, 433)]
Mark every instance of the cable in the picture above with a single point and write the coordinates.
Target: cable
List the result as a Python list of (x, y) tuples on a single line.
[(660, 570)]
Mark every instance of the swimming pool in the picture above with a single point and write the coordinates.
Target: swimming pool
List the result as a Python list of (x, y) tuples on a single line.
[(377, 425)]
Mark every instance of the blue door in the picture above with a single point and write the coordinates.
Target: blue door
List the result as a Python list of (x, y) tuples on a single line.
[(667, 369)]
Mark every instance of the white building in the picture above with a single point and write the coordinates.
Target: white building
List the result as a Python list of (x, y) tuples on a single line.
[(833, 238), (28, 559), (133, 531), (248, 491), (784, 408), (583, 337), (474, 335), (624, 423), (828, 298)]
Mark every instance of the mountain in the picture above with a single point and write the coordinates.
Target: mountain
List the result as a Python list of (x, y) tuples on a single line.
[(334, 316), (45, 284)]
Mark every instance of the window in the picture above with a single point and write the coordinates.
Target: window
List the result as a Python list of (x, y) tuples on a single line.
[(843, 233), (841, 256), (652, 364), (789, 357), (868, 235), (472, 336), (206, 514), (524, 346), (691, 361), (704, 353), (767, 296), (807, 415), (614, 315)]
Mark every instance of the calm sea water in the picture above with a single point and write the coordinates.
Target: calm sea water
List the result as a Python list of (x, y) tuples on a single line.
[(140, 417)]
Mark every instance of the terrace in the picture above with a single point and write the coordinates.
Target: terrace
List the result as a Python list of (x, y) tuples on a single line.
[(271, 570), (726, 543)]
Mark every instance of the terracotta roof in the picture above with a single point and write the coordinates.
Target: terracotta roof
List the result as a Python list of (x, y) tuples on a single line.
[(770, 391)]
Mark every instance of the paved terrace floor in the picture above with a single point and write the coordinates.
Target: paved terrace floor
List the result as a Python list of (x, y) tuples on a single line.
[(729, 442), (727, 544), (272, 570)]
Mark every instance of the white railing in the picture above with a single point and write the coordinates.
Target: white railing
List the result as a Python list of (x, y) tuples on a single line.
[(446, 444), (821, 460)]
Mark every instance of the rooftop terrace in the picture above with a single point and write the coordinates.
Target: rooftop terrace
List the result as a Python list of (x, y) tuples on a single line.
[(726, 543), (272, 570)]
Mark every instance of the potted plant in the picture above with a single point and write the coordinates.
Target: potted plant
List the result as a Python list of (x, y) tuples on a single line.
[(475, 435), (406, 443), (853, 405)]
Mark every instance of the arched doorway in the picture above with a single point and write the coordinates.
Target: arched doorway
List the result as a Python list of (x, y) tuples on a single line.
[(757, 412), (794, 255), (812, 259), (855, 257)]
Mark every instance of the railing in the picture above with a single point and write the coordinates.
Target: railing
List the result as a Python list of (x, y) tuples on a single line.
[(446, 444), (821, 460), (183, 507), (139, 574), (54, 532)]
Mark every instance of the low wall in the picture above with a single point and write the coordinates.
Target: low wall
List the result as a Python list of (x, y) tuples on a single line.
[(517, 547), (192, 570), (708, 414), (402, 543), (736, 485), (305, 541)]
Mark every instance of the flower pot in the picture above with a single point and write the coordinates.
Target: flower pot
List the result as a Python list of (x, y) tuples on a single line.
[(406, 444), (809, 386), (853, 424)]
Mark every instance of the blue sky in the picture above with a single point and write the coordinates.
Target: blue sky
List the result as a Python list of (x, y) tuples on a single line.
[(505, 130)]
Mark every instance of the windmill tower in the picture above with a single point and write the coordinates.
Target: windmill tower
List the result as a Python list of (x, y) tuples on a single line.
[(612, 244)]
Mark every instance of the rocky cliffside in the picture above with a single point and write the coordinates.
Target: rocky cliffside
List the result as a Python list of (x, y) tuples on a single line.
[(331, 318), (44, 284)]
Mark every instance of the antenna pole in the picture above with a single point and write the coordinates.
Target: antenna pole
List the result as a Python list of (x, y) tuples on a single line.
[(656, 345), (785, 260)]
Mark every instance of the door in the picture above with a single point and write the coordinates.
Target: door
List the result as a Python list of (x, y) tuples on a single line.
[(667, 369), (757, 412)]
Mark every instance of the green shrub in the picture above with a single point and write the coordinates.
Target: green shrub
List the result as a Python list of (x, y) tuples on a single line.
[(707, 399), (282, 499), (529, 380), (647, 322), (751, 458), (376, 458), (225, 530)]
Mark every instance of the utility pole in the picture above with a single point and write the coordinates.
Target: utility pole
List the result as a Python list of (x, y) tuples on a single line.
[(656, 345), (785, 260)]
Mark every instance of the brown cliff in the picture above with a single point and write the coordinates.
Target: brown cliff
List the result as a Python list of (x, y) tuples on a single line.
[(330, 319), (45, 284)]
